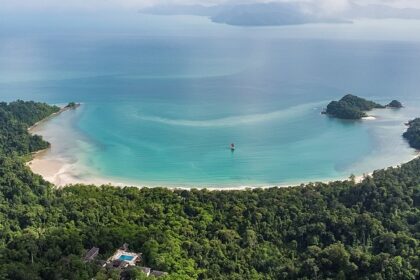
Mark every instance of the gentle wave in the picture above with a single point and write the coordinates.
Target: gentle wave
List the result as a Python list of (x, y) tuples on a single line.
[(236, 120)]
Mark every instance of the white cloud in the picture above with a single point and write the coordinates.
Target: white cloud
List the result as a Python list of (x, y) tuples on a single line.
[(393, 3), (333, 6), (326, 6)]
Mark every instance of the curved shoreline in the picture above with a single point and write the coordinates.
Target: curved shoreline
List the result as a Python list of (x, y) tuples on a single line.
[(60, 173), (62, 178)]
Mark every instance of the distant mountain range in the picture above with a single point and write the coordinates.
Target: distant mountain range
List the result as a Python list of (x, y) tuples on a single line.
[(266, 14)]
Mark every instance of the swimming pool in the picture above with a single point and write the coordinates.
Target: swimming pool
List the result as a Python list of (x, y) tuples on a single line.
[(126, 258)]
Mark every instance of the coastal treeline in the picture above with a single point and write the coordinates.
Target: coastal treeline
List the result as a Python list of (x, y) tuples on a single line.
[(341, 230)]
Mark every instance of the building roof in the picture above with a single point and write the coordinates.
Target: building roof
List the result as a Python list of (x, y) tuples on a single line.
[(146, 270), (158, 273), (91, 254)]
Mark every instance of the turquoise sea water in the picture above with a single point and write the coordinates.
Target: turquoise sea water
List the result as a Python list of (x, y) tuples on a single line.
[(163, 97)]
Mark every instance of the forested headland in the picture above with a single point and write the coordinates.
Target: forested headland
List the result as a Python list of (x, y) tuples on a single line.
[(340, 230), (15, 120), (413, 133)]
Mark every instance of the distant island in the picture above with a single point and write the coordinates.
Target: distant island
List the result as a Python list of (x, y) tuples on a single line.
[(352, 107), (269, 14), (413, 133), (272, 13), (251, 14)]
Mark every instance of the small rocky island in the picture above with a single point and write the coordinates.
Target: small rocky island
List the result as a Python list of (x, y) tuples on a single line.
[(352, 107), (394, 104), (413, 133), (72, 105)]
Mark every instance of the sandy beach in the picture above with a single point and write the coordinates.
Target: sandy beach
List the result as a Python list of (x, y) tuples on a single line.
[(62, 174)]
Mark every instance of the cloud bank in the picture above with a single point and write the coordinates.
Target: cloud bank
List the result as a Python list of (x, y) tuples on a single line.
[(326, 6)]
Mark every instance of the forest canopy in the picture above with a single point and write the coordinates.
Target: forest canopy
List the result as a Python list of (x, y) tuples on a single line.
[(340, 230)]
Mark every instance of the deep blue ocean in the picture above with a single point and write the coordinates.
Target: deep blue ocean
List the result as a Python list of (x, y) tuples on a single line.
[(163, 97)]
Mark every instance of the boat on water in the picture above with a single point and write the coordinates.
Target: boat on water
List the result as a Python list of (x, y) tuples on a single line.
[(232, 147)]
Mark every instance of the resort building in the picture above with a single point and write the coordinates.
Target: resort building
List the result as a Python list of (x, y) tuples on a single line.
[(149, 272), (146, 270), (122, 258), (91, 255)]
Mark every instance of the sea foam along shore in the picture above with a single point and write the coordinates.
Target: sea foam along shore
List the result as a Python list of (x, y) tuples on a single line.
[(369, 118), (62, 172)]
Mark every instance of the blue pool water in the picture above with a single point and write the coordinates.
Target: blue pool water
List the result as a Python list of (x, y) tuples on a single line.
[(163, 97), (126, 258)]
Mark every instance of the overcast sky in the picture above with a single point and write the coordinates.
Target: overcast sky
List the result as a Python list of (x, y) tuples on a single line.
[(328, 6)]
